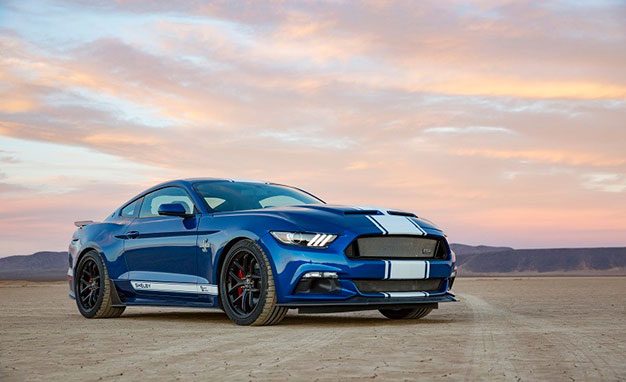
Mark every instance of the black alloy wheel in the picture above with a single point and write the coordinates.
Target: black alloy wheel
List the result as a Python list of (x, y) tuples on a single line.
[(247, 290), (89, 285), (244, 282), (94, 290)]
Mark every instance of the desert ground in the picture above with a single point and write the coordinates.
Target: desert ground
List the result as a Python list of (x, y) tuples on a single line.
[(502, 329)]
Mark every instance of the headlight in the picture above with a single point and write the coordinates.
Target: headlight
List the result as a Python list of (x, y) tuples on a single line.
[(302, 239)]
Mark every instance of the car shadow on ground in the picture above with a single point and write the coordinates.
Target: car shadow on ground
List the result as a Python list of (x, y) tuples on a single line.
[(324, 320), (294, 319), (189, 316)]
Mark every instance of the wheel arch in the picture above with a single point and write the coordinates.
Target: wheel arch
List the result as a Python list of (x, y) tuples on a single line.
[(82, 253), (222, 256), (115, 296)]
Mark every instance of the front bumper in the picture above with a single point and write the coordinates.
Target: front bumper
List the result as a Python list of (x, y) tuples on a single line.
[(368, 303), (291, 263), (70, 282)]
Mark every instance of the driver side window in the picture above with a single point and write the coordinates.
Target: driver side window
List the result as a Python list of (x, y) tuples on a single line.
[(152, 201)]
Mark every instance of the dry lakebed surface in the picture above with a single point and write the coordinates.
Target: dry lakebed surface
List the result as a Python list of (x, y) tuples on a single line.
[(536, 328)]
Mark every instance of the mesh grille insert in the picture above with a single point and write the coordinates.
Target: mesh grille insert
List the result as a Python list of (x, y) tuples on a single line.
[(373, 286), (396, 247)]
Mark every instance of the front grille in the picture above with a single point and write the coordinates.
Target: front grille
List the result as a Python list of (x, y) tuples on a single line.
[(402, 247), (373, 286)]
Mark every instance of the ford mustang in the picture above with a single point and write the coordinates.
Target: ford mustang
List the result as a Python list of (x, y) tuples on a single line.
[(256, 250)]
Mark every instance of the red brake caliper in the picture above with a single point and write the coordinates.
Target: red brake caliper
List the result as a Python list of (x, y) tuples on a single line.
[(241, 277)]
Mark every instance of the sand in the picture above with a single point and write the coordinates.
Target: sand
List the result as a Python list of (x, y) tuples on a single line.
[(558, 329)]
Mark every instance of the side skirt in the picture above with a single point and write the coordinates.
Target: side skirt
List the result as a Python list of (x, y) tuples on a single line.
[(170, 303)]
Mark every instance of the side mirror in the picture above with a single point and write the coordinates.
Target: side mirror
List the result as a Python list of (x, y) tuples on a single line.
[(173, 209)]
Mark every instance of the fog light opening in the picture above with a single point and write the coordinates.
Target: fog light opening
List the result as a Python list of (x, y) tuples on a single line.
[(318, 282), (320, 275)]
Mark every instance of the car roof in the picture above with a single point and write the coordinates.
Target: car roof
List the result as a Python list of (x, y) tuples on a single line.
[(184, 182), (195, 180), (190, 181)]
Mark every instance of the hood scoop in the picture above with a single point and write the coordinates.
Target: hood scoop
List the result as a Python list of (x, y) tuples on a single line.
[(377, 212), (356, 211)]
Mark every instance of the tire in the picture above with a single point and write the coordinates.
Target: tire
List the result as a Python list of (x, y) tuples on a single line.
[(247, 289), (99, 303), (406, 313)]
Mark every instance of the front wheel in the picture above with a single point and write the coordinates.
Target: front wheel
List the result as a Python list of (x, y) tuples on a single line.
[(93, 288), (247, 290), (406, 313)]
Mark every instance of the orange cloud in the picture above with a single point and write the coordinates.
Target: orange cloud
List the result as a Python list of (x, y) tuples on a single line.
[(12, 104), (339, 99), (549, 156), (531, 88)]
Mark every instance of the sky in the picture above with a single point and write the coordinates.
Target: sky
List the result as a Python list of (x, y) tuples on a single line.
[(502, 121)]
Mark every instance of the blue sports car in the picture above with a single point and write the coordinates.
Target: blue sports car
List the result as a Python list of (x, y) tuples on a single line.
[(256, 250)]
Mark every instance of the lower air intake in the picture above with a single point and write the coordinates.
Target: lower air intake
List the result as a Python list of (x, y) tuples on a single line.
[(375, 286)]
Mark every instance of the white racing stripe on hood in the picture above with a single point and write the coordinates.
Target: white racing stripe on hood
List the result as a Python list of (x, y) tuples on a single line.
[(414, 222), (393, 224), (397, 225), (377, 224)]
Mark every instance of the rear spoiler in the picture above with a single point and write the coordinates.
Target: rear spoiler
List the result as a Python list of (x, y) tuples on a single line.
[(82, 223)]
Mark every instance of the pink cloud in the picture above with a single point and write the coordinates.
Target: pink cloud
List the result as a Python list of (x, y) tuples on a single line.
[(353, 94)]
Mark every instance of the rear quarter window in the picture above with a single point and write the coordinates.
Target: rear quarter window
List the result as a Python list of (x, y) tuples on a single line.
[(131, 209)]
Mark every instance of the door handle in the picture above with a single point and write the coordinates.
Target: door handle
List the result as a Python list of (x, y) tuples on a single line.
[(132, 234)]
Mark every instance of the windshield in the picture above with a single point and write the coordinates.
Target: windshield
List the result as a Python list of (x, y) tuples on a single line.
[(223, 196)]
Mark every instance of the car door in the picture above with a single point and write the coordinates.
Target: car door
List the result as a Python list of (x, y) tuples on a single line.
[(161, 251)]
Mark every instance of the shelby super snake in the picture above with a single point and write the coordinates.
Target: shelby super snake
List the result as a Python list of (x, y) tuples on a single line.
[(256, 250)]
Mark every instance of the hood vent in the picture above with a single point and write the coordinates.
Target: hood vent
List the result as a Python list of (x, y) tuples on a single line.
[(400, 213), (362, 212)]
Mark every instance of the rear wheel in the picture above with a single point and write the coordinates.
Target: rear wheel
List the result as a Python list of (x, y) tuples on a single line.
[(247, 290), (93, 288), (406, 313)]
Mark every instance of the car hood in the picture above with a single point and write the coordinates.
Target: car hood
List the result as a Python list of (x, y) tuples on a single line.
[(359, 220)]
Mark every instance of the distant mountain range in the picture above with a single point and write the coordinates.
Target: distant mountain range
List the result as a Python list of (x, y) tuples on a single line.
[(504, 261), (40, 266), (472, 261)]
